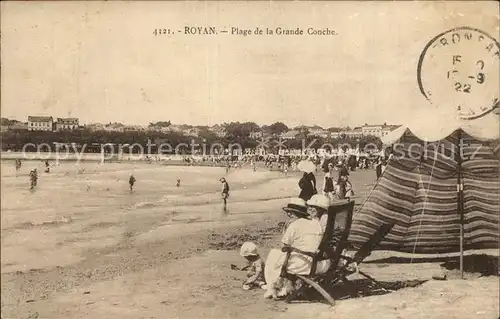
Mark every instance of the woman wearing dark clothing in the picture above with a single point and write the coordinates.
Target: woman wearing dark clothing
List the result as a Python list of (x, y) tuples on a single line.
[(224, 193), (327, 163), (352, 162), (307, 186), (312, 179)]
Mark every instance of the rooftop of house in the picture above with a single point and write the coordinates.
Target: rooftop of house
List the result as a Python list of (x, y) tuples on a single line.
[(301, 127), (114, 125), (67, 120), (133, 127), (385, 125), (291, 133), (317, 129), (40, 118)]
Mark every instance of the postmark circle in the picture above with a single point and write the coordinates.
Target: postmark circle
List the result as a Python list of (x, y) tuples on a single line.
[(459, 69)]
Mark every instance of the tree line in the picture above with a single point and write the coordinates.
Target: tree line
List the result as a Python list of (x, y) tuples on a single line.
[(235, 133), (15, 141)]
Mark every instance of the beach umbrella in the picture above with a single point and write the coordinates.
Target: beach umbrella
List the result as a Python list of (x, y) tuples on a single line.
[(306, 166)]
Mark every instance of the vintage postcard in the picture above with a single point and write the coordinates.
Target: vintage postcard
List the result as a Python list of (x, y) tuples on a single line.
[(250, 159)]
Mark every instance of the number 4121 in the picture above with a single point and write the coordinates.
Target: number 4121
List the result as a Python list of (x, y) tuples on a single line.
[(162, 31)]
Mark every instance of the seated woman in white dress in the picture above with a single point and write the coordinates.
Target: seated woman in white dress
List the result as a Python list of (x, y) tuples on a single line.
[(304, 234)]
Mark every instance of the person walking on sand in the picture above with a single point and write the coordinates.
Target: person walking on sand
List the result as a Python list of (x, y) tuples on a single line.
[(33, 178), (47, 167), (224, 193), (18, 165), (131, 182)]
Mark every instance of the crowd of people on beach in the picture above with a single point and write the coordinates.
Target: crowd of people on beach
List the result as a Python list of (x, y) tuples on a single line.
[(336, 182), (285, 163)]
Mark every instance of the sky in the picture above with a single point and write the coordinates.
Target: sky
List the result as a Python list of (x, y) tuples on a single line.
[(100, 62)]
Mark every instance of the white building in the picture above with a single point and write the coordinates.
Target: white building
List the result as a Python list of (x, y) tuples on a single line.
[(64, 124), (319, 132), (176, 128), (290, 135), (356, 132), (335, 134), (133, 128), (114, 127), (256, 134), (94, 127), (386, 129), (40, 123), (375, 130), (218, 130), (378, 130), (193, 132)]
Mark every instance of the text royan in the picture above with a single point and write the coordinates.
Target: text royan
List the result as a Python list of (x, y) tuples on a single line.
[(200, 30)]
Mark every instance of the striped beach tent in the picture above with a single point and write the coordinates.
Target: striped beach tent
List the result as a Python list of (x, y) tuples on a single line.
[(441, 188)]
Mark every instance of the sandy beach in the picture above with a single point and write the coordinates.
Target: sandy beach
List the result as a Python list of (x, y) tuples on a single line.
[(98, 251)]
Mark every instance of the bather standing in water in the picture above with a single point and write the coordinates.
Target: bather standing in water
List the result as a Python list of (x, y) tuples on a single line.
[(131, 182), (33, 178), (18, 165), (224, 193)]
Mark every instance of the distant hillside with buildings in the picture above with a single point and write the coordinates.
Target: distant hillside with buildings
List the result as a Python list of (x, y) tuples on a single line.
[(252, 130)]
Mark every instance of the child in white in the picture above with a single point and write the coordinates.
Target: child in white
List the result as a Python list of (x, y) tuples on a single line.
[(255, 272)]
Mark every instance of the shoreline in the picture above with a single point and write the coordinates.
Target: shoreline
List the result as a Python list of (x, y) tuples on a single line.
[(97, 158)]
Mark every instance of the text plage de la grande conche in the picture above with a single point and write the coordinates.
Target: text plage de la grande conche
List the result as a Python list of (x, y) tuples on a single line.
[(246, 31)]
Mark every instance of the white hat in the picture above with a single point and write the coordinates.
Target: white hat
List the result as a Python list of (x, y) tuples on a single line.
[(248, 249), (320, 201)]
